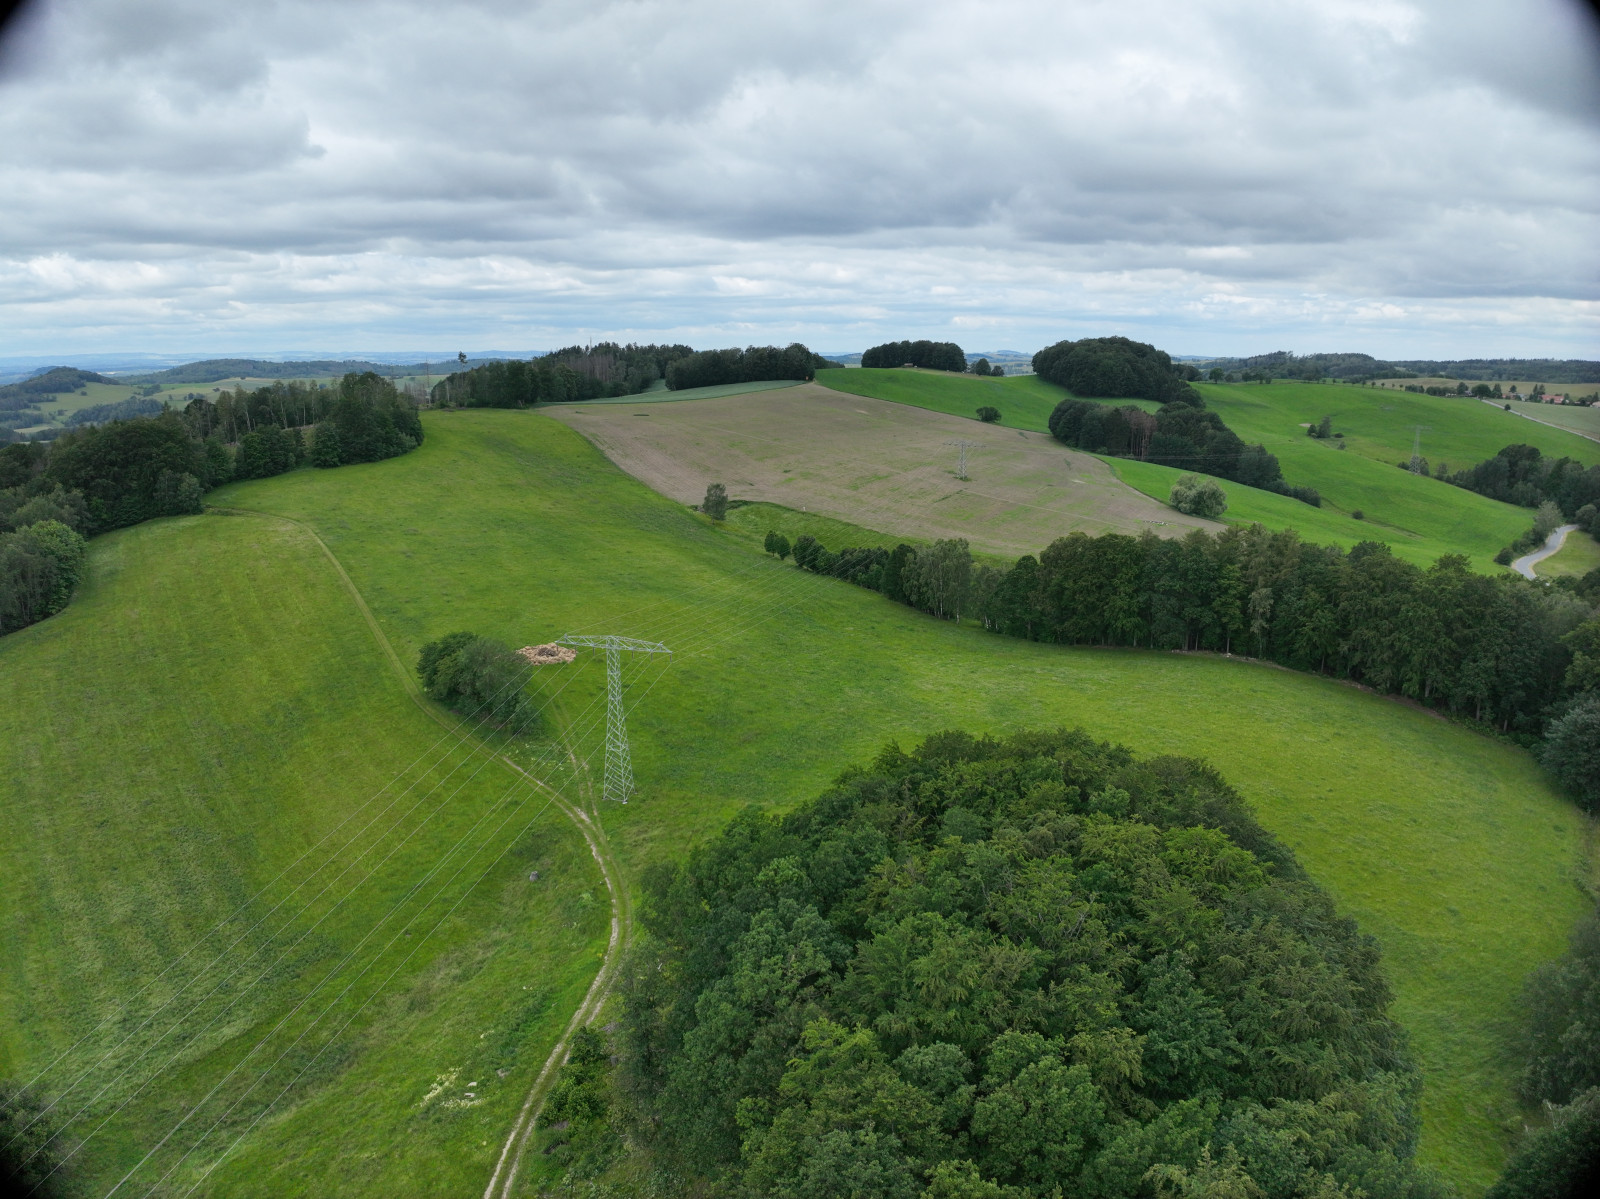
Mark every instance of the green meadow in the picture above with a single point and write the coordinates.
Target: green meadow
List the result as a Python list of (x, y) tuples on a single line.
[(232, 640), (1419, 518)]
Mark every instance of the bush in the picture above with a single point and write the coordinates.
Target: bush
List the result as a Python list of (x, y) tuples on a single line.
[(715, 505), (777, 543), (40, 567), (1194, 496), (988, 414), (325, 450), (1572, 750), (479, 677), (32, 1157), (264, 452), (1558, 1162)]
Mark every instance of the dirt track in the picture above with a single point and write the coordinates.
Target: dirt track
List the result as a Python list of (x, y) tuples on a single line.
[(882, 465)]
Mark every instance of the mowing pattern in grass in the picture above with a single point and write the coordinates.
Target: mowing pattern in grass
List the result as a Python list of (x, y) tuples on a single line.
[(1451, 848), (885, 465), (206, 712)]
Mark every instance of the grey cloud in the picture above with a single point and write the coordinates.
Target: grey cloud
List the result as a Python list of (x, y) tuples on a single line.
[(285, 165)]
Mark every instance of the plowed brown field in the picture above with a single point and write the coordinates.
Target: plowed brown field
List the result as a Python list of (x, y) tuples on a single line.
[(882, 465)]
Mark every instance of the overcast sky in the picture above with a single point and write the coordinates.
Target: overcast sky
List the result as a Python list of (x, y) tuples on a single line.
[(1216, 176)]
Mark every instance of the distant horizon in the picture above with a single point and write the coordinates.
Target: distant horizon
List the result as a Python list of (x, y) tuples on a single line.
[(113, 362)]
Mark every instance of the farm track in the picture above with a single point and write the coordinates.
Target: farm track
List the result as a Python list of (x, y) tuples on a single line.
[(509, 1163)]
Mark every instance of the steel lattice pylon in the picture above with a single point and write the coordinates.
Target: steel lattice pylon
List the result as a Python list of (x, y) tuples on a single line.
[(619, 762)]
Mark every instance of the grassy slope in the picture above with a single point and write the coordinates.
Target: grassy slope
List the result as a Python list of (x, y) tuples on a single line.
[(207, 709), (1451, 848), (1579, 420), (1420, 518)]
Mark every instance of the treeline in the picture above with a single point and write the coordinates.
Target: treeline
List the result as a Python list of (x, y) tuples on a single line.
[(1521, 475), (754, 364), (930, 355), (1001, 969), (1117, 368), (98, 414), (1360, 368), (575, 373), (1180, 435), (214, 370), (1519, 656), (361, 419), (101, 477)]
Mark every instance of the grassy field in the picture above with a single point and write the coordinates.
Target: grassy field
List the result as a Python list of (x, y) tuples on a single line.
[(889, 467), (1451, 848), (1024, 401), (1420, 518), (1583, 421), (209, 709), (1382, 425)]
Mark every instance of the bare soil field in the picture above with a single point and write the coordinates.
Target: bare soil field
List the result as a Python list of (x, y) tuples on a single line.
[(883, 465)]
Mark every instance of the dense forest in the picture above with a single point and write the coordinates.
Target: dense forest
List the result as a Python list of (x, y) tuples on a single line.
[(930, 355), (1179, 434), (755, 364), (1515, 655), (101, 477), (1117, 368), (575, 373), (1037, 966)]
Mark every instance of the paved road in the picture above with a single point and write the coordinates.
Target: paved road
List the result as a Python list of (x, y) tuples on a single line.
[(1525, 564)]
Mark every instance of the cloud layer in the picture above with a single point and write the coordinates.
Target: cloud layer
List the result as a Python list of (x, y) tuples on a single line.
[(1232, 175)]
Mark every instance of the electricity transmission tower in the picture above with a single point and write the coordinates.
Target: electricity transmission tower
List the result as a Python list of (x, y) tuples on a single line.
[(619, 763), (961, 459)]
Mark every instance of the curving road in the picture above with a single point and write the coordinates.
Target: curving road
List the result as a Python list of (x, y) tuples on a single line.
[(1525, 564)]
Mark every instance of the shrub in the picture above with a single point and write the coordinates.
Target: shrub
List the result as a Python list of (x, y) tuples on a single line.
[(40, 567), (478, 677), (777, 543), (988, 414), (1572, 750), (1558, 1162), (325, 450), (715, 505), (32, 1158), (1194, 496)]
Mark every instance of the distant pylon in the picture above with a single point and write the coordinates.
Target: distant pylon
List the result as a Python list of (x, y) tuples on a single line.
[(961, 459), (619, 761)]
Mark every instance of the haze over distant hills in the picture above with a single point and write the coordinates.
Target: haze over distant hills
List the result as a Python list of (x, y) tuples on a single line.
[(294, 364)]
